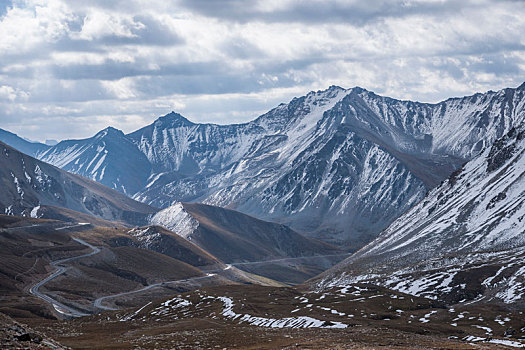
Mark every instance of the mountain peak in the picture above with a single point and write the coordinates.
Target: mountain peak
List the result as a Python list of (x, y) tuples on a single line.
[(174, 118), (358, 89), (109, 131), (335, 87)]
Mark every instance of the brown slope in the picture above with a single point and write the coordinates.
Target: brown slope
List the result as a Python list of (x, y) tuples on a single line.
[(163, 241), (233, 236), (28, 245), (260, 247)]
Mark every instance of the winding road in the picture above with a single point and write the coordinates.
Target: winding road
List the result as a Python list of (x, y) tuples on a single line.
[(98, 302), (58, 306), (69, 311)]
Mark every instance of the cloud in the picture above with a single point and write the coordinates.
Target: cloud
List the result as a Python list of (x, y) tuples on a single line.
[(352, 12), (125, 63), (12, 94)]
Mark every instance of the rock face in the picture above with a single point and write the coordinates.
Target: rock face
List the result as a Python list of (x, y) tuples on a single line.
[(464, 241), (339, 164), (28, 183)]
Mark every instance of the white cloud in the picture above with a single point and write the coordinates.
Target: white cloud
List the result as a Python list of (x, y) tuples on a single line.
[(11, 94), (120, 89), (98, 24), (29, 24), (131, 61)]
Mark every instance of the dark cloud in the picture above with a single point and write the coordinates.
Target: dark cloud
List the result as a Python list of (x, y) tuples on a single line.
[(350, 12), (53, 92), (241, 48), (151, 33), (496, 64), (208, 84), (112, 70)]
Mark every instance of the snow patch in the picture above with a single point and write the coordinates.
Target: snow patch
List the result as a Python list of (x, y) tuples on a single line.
[(34, 212), (288, 322), (176, 219)]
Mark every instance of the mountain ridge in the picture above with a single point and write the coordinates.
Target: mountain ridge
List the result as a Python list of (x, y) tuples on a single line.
[(33, 149), (463, 241)]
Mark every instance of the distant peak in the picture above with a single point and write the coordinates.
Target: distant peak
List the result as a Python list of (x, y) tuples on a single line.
[(358, 89), (335, 87), (331, 89), (174, 118), (109, 131)]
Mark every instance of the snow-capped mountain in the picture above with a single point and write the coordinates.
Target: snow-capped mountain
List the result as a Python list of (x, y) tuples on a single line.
[(464, 241), (340, 164), (109, 157), (29, 184)]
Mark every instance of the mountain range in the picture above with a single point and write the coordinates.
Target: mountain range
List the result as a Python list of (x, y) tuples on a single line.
[(30, 187), (35, 189), (339, 164)]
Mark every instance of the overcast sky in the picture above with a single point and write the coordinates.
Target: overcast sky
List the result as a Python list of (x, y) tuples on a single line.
[(70, 68)]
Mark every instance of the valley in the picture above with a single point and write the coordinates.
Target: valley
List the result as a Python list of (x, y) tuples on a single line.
[(342, 219)]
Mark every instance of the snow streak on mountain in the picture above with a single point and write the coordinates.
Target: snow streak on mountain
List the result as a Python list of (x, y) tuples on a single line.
[(464, 241)]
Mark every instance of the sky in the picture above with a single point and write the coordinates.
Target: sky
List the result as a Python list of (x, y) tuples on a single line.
[(69, 68)]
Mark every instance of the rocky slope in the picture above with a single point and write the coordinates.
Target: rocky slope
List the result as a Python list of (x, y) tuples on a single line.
[(464, 241), (340, 164), (237, 237), (28, 183)]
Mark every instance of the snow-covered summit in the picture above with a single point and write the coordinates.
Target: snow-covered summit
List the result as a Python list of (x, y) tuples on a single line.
[(108, 157), (177, 220)]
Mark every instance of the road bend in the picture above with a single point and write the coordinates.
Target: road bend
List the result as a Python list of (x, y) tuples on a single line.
[(98, 302), (59, 270)]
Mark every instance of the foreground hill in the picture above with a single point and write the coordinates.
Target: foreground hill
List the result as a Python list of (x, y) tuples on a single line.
[(256, 317), (464, 241), (234, 236), (191, 312), (266, 248), (53, 268), (339, 164), (28, 183)]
